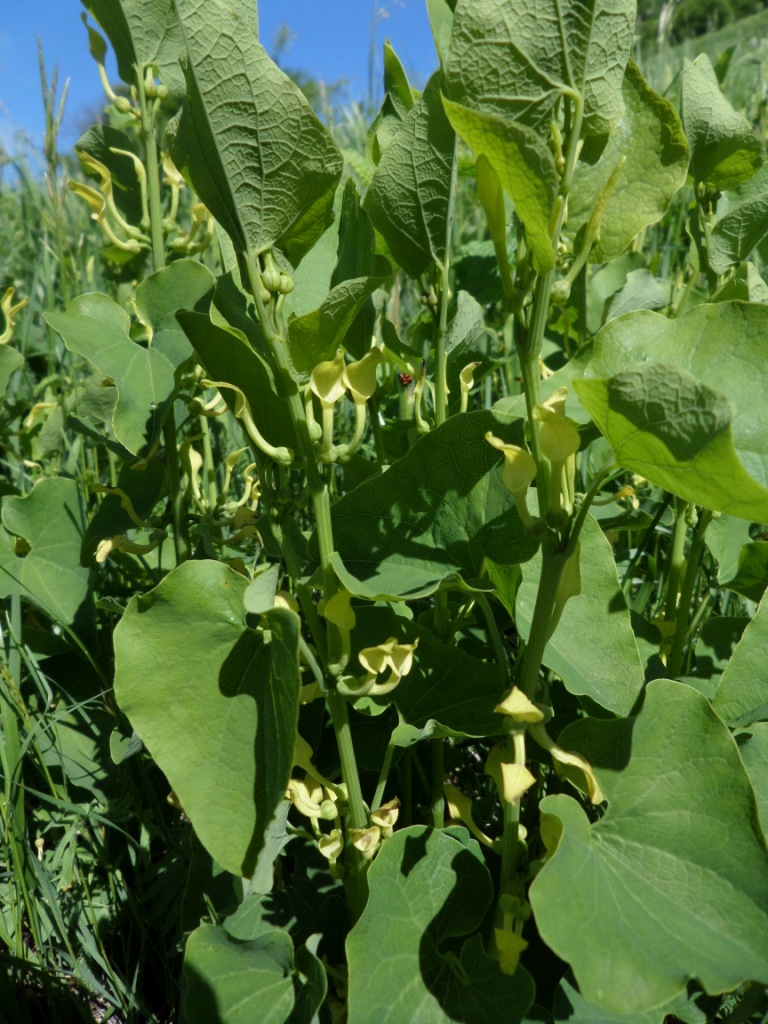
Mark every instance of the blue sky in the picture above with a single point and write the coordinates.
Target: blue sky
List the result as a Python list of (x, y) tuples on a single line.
[(330, 40)]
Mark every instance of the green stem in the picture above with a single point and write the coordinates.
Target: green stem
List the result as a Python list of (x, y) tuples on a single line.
[(645, 540), (10, 749), (589, 497), (437, 796), (676, 559), (552, 564), (339, 709), (493, 631), (311, 662), (381, 785), (441, 382), (511, 833), (437, 750), (209, 468), (153, 175), (303, 593), (675, 663), (529, 370), (378, 436), (181, 538), (337, 705)]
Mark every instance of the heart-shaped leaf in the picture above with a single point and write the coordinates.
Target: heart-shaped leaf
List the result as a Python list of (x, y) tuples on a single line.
[(742, 696), (247, 140), (49, 522), (649, 140), (408, 200), (517, 60), (672, 883), (724, 149), (201, 690), (99, 329), (428, 890), (665, 425)]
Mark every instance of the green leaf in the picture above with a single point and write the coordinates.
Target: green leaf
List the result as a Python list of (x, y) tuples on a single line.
[(714, 647), (721, 344), (593, 648), (315, 337), (751, 578), (143, 32), (525, 167), (441, 22), (74, 740), (641, 291), (396, 82), (259, 595), (314, 275), (753, 747), (680, 843), (665, 425), (736, 234), (724, 149), (227, 356), (411, 957), (408, 199), (50, 520), (516, 60), (742, 696), (247, 140), (605, 282), (215, 704), (357, 259), (570, 1007), (237, 982), (744, 285), (312, 993), (10, 361), (99, 329), (436, 512), (649, 139), (742, 564)]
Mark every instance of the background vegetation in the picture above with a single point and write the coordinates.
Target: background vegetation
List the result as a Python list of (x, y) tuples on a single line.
[(97, 863)]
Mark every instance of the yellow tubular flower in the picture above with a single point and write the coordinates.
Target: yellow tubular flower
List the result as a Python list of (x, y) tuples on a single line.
[(519, 707), (559, 441), (386, 817), (360, 377), (399, 657), (327, 383), (509, 946), (10, 312), (338, 610), (366, 840), (332, 845), (517, 475), (243, 412), (460, 809), (327, 379), (465, 382), (567, 757)]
